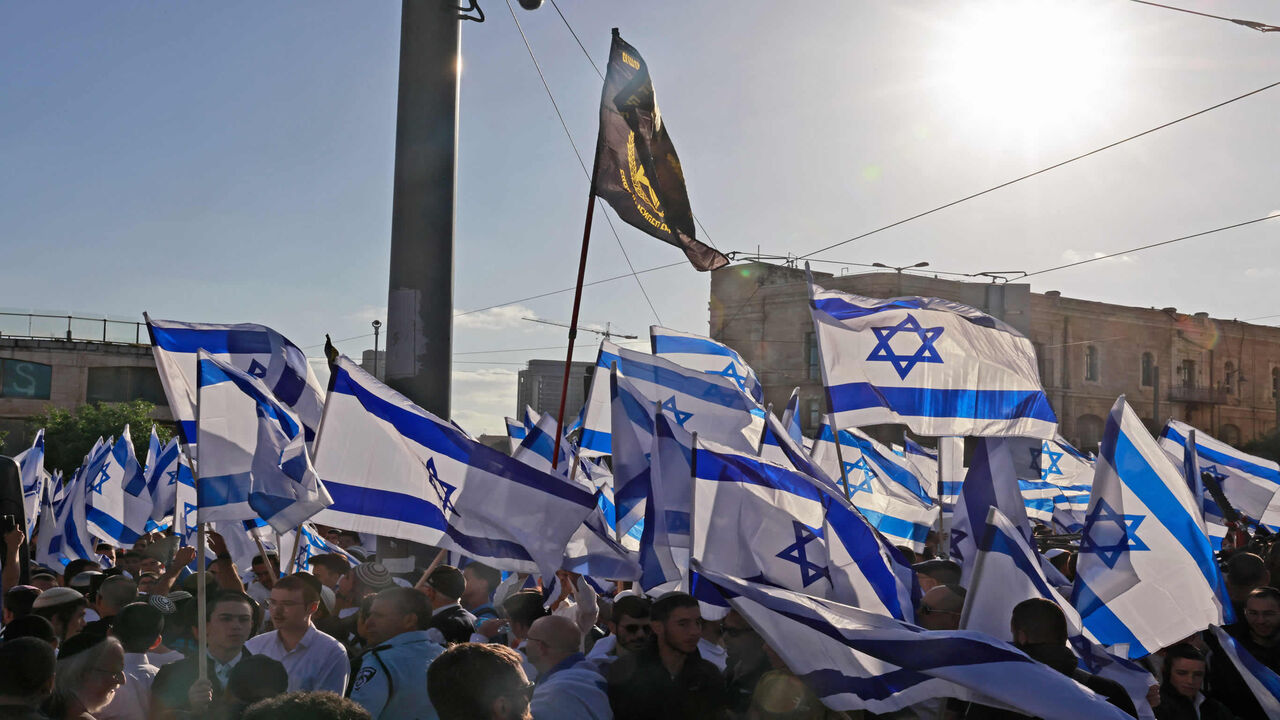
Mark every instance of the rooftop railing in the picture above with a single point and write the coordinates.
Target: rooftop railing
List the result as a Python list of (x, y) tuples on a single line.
[(51, 326)]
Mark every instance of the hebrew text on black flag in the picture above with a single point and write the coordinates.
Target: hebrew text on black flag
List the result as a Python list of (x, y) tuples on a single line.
[(637, 170)]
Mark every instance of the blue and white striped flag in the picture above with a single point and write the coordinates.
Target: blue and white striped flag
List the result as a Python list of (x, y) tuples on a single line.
[(119, 501), (1008, 572), (791, 417), (665, 539), (925, 463), (517, 430), (632, 440), (1053, 476), (774, 525), (1146, 576), (311, 543), (162, 478), (854, 659), (396, 470), (254, 349), (710, 356), (882, 486), (34, 478), (707, 404), (990, 482), (253, 461), (936, 366), (1251, 483), (69, 536), (1261, 680)]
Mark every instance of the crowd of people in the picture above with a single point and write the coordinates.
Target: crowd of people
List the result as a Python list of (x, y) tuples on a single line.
[(118, 640)]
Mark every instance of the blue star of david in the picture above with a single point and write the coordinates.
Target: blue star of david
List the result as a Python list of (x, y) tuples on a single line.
[(868, 474), (257, 369), (731, 371), (957, 537), (103, 477), (796, 553), (307, 553), (442, 488), (904, 364), (1109, 534), (681, 417), (1037, 460), (189, 517), (173, 476)]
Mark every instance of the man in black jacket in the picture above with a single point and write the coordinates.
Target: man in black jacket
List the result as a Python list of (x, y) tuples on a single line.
[(229, 622), (450, 622), (668, 679), (1040, 630)]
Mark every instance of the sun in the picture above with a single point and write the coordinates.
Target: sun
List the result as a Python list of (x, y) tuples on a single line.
[(1029, 67)]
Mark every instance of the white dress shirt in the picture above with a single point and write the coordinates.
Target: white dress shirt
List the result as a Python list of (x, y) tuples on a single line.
[(317, 662), (133, 698)]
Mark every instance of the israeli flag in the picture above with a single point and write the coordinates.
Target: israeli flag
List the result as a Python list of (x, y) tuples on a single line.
[(854, 659), (539, 444), (707, 404), (881, 485), (1146, 576), (162, 479), (709, 356), (1053, 476), (53, 515), (185, 504), (632, 440), (393, 469), (936, 366), (253, 461), (119, 502), (990, 482), (791, 417), (254, 349), (34, 478), (1008, 572), (666, 537), (1261, 680), (310, 543), (608, 508), (71, 524), (515, 433), (777, 526), (592, 552), (924, 462), (1250, 483)]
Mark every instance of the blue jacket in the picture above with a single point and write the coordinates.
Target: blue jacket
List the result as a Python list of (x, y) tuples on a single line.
[(391, 682), (572, 690)]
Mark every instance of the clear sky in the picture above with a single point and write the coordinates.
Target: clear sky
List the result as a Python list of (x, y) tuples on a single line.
[(232, 161)]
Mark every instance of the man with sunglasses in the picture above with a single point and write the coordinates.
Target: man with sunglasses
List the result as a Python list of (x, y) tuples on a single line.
[(629, 630), (940, 608), (569, 686), (390, 682)]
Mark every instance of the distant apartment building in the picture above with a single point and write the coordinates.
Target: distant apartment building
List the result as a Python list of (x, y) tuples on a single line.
[(538, 386), (1219, 375)]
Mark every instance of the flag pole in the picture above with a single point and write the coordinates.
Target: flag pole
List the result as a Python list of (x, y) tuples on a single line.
[(577, 303), (297, 543), (202, 548)]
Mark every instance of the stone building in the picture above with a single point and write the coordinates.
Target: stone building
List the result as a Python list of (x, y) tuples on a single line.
[(1222, 376), (36, 373), (538, 386)]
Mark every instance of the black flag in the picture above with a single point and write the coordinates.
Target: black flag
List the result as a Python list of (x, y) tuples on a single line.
[(637, 169)]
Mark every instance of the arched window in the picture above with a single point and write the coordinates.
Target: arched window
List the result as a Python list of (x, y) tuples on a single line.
[(1229, 434), (1148, 370), (1088, 432), (1091, 363), (1229, 378)]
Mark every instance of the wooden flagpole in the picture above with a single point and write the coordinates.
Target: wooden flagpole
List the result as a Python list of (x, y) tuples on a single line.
[(577, 303)]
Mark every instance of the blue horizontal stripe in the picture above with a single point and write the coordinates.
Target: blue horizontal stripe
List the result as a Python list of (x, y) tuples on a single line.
[(829, 682), (220, 341), (736, 468), (897, 527), (842, 309), (696, 385), (446, 440), (110, 525), (209, 373), (1231, 461), (596, 441), (412, 510), (665, 344), (220, 490), (942, 402)]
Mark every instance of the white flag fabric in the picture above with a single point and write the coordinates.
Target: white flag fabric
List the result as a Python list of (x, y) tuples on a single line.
[(162, 478), (34, 478), (990, 482), (707, 404), (710, 356), (254, 349), (119, 501), (1251, 483), (858, 660), (253, 461), (396, 470), (936, 366), (1146, 576)]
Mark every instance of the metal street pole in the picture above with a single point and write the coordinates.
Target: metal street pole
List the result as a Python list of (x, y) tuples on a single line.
[(420, 295), (377, 325)]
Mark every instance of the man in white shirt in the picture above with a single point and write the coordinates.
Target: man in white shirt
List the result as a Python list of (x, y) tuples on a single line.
[(314, 660), (138, 627)]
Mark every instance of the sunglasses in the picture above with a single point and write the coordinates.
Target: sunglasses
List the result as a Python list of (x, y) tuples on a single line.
[(926, 610)]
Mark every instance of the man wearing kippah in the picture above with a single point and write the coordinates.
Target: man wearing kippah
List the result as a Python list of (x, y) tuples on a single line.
[(450, 622)]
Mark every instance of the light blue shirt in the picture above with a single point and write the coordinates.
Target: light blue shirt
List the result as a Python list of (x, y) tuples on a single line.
[(392, 680)]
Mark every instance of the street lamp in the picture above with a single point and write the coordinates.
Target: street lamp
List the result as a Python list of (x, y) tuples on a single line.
[(377, 325), (900, 269)]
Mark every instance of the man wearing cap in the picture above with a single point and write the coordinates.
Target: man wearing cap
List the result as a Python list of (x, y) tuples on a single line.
[(137, 626), (933, 573), (314, 660), (391, 680), (450, 622), (64, 609)]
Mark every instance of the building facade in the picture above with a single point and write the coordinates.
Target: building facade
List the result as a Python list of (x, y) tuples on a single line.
[(1222, 376), (538, 386), (37, 373)]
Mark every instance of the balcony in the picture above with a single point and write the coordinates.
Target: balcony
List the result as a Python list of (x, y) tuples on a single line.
[(1204, 395)]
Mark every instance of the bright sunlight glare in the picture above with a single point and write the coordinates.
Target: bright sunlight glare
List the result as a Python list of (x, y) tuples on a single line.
[(1030, 67)]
